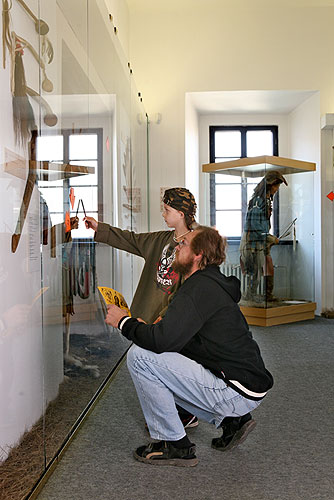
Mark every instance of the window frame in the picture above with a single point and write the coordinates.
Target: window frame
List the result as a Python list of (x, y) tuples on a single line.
[(243, 129), (66, 133), (86, 131)]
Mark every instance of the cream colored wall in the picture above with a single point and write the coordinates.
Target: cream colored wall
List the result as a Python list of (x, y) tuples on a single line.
[(120, 19), (191, 148), (189, 46), (219, 46)]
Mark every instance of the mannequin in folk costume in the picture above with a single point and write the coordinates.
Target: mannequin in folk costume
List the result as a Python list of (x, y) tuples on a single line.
[(256, 242)]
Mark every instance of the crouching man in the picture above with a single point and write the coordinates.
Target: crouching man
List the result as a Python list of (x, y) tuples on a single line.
[(201, 356)]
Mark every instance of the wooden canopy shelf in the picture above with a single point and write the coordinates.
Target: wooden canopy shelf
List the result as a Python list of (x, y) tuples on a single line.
[(258, 166), (45, 171), (48, 171)]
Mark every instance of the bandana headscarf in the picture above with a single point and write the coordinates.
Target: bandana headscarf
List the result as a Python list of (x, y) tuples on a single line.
[(181, 199), (273, 177)]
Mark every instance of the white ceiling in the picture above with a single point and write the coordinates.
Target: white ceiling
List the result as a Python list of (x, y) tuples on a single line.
[(249, 101)]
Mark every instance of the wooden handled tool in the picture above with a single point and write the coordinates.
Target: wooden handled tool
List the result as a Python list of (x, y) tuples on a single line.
[(30, 183), (40, 26)]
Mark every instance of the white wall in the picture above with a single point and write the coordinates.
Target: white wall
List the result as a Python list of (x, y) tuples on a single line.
[(305, 144), (224, 46), (327, 222), (120, 19)]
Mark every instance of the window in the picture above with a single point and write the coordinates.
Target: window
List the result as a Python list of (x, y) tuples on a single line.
[(229, 194), (82, 147)]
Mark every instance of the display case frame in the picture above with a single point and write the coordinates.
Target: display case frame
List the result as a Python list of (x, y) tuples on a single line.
[(286, 310)]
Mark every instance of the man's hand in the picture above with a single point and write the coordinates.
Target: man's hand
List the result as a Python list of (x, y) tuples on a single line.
[(115, 314), (91, 223)]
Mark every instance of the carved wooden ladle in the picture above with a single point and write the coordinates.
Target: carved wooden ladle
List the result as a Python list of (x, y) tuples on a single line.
[(40, 26)]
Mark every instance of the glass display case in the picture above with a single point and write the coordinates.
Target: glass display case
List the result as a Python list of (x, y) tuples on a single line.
[(273, 256), (73, 143)]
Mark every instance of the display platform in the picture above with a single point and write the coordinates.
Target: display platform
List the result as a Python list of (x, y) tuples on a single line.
[(280, 314)]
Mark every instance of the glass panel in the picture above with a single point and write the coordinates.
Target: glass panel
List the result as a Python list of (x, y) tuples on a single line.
[(84, 180), (82, 232), (228, 144), (53, 198), (227, 179), (56, 350), (229, 223), (259, 142), (83, 146), (56, 218), (89, 197), (223, 158), (228, 197), (50, 148), (251, 185)]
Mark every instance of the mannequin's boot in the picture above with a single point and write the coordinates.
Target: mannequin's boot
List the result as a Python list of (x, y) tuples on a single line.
[(251, 292), (269, 287), (247, 295)]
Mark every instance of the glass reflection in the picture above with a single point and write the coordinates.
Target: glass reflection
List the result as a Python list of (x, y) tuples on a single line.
[(79, 145)]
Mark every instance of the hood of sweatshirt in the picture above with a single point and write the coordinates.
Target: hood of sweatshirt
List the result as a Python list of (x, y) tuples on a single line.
[(230, 284)]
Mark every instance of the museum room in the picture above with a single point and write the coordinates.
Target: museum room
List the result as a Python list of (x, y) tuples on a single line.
[(136, 132)]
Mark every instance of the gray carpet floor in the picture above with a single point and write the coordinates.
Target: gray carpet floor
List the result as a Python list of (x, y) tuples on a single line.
[(289, 456)]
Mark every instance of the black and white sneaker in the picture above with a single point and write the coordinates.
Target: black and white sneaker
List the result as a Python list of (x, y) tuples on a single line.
[(164, 453), (235, 431)]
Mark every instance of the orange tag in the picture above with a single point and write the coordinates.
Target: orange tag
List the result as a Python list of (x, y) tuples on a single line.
[(72, 197), (67, 222)]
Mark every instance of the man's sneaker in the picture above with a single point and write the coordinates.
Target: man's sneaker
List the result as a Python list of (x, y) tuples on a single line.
[(189, 421), (235, 431), (164, 453)]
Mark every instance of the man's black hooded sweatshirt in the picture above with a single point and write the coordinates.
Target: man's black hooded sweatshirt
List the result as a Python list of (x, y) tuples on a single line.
[(204, 323)]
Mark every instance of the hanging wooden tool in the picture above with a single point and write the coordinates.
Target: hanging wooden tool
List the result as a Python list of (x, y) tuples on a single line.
[(40, 26), (47, 85), (50, 119), (31, 181), (6, 39)]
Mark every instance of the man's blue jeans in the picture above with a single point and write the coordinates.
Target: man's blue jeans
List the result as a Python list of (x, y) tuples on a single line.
[(161, 380)]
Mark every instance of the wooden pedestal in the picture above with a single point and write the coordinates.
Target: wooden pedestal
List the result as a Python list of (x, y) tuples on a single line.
[(280, 314)]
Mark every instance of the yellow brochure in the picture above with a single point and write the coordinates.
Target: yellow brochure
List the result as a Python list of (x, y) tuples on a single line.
[(111, 296)]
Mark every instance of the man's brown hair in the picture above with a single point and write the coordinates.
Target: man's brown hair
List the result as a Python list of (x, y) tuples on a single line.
[(210, 244)]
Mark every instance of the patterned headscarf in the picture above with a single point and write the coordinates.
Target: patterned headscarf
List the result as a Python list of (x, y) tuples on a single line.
[(274, 177), (181, 199)]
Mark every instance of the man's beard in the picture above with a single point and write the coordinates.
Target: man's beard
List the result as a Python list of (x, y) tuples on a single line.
[(183, 268)]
